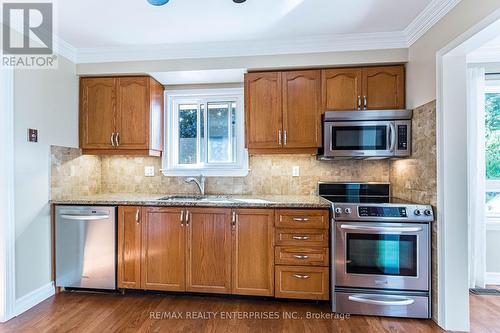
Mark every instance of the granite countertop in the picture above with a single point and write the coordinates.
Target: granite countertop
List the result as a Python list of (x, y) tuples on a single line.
[(260, 201)]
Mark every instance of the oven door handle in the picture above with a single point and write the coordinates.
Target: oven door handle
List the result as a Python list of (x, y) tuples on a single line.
[(380, 229), (389, 300)]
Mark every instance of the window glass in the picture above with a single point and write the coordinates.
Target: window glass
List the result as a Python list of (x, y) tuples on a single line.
[(493, 204), (219, 133), (492, 116), (188, 121)]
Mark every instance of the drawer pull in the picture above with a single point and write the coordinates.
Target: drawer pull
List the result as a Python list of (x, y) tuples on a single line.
[(300, 219), (301, 256), (301, 276), (300, 237)]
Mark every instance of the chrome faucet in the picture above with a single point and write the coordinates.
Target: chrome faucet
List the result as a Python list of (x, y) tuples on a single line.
[(200, 181)]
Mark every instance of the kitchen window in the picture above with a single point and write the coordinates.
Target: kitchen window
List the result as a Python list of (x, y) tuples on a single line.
[(204, 133)]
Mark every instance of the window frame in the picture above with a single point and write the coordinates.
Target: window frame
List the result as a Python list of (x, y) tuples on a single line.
[(170, 165)]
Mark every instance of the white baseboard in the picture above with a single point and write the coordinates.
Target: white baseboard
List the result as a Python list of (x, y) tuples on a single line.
[(493, 278), (33, 298)]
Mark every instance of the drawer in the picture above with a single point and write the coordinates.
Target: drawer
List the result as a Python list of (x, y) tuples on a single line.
[(302, 282), (292, 255), (380, 304), (302, 218), (302, 237)]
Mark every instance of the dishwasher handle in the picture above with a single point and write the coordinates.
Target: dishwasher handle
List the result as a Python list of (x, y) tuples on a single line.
[(78, 217)]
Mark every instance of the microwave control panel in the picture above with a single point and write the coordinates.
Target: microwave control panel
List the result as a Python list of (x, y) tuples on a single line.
[(402, 137)]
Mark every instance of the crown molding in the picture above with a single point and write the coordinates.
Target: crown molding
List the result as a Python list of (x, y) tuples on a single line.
[(431, 14), (301, 45), (65, 49)]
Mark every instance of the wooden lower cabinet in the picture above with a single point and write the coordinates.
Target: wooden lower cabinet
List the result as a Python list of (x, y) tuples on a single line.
[(253, 252), (129, 247), (224, 251), (302, 282), (208, 266), (163, 249)]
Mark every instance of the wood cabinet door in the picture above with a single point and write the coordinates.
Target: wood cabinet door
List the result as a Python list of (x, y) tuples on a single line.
[(253, 252), (342, 89), (263, 114), (208, 266), (129, 247), (384, 87), (163, 249), (133, 112), (302, 109), (97, 112)]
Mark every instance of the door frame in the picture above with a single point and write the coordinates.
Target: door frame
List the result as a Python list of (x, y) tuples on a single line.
[(7, 228), (452, 172)]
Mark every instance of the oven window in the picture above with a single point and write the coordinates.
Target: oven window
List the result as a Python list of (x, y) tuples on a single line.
[(381, 254), (359, 138)]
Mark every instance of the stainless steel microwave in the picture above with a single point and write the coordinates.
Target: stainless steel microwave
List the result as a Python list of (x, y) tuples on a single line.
[(366, 134)]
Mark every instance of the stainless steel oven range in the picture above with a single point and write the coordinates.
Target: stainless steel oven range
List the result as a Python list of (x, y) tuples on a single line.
[(380, 252)]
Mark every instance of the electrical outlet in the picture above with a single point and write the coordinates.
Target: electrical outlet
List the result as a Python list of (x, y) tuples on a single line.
[(295, 171), (149, 171)]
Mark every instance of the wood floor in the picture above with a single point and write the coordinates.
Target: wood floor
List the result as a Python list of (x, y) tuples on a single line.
[(85, 312)]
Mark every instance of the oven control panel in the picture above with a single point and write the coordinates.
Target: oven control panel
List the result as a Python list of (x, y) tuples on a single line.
[(378, 211), (383, 212)]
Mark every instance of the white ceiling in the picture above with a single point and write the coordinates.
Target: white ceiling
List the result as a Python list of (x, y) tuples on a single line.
[(121, 23)]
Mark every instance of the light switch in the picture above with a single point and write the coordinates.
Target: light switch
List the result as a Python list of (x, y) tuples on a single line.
[(149, 171), (295, 171), (32, 135)]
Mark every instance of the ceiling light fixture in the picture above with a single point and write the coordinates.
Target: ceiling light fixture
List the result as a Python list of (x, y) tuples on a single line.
[(158, 2), (239, 1)]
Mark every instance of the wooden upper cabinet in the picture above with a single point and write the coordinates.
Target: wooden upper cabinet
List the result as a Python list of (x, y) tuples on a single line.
[(208, 267), (129, 247), (97, 112), (301, 109), (342, 89), (163, 249), (263, 114), (384, 87), (253, 252), (121, 115), (132, 118)]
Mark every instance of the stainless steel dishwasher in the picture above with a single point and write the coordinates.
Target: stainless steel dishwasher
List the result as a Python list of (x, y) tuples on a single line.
[(86, 247)]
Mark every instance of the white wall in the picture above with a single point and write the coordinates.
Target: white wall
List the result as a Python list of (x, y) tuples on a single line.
[(421, 69), (48, 101)]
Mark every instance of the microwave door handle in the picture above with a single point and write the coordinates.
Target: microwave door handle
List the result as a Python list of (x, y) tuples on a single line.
[(380, 229), (392, 131)]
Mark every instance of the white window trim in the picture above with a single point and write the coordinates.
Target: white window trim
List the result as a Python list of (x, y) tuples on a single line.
[(169, 165)]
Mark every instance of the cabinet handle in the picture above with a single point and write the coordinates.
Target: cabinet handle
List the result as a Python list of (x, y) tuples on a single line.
[(365, 102), (182, 218), (300, 237), (117, 139), (300, 256), (359, 102), (112, 139), (187, 217), (284, 137), (300, 219), (301, 276), (233, 220), (137, 220), (279, 137)]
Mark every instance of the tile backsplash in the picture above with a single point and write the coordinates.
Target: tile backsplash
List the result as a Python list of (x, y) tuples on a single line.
[(74, 174), (269, 174)]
